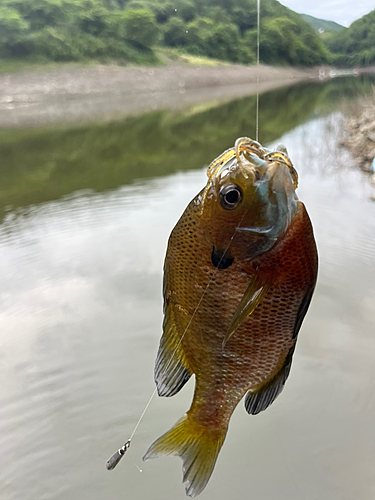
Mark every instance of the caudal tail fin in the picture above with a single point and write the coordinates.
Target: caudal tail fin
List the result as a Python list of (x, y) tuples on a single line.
[(196, 445)]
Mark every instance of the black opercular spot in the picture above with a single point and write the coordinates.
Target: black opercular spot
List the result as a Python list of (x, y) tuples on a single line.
[(221, 259)]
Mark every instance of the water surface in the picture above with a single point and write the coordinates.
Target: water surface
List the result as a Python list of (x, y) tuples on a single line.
[(86, 214)]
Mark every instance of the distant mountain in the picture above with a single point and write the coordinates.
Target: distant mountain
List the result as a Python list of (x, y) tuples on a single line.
[(227, 29), (320, 25), (354, 46)]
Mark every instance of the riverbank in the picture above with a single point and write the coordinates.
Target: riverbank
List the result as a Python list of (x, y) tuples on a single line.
[(360, 133), (103, 93)]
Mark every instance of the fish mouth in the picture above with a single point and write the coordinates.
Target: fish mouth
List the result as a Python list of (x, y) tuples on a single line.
[(264, 182), (251, 159)]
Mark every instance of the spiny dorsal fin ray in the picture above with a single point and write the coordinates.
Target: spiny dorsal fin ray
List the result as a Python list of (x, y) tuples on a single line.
[(256, 402), (197, 447), (171, 369), (257, 289)]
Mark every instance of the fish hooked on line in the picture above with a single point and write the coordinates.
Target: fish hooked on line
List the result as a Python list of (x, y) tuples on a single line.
[(239, 275)]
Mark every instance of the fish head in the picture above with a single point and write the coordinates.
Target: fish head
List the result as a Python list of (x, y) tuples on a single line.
[(249, 202)]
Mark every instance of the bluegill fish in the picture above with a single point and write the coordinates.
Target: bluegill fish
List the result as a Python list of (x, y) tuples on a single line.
[(239, 274)]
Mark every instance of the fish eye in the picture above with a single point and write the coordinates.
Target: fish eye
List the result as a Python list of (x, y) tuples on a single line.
[(230, 196)]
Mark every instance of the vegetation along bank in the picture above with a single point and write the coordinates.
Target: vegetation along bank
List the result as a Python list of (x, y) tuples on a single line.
[(138, 31), (129, 31)]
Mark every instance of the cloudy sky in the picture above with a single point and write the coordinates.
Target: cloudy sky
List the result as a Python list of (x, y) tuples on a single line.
[(342, 11)]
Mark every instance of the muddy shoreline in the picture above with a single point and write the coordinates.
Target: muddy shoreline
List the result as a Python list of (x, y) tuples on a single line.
[(104, 93)]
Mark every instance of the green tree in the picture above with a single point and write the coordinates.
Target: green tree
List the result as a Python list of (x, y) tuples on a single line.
[(248, 47), (94, 20), (56, 45), (185, 10), (140, 26), (198, 32), (175, 33), (354, 45), (111, 4), (138, 5), (285, 40), (218, 15), (40, 13), (223, 42), (223, 29), (12, 26), (13, 32), (163, 11), (245, 17)]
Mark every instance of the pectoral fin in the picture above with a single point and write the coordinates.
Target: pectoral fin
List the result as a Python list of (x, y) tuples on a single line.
[(171, 367), (256, 402), (257, 289)]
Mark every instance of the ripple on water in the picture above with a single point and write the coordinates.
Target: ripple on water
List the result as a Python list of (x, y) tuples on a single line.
[(81, 313)]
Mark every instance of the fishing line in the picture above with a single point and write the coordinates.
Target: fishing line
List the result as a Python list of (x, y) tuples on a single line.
[(258, 44), (116, 457)]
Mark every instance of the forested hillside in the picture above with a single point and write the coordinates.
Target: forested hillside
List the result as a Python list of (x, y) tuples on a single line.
[(73, 30), (355, 46), (321, 25)]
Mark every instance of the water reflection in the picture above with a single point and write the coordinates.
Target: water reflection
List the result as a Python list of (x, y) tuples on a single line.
[(41, 165), (80, 299)]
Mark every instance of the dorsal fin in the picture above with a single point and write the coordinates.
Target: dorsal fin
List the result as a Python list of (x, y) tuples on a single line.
[(256, 402)]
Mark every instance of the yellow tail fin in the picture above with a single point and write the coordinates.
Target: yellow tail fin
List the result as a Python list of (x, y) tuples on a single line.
[(196, 445)]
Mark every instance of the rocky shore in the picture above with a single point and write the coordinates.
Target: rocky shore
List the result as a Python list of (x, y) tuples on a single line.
[(360, 134)]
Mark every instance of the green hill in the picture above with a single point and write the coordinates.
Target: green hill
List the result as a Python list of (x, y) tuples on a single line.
[(227, 30), (321, 25), (354, 46), (72, 30)]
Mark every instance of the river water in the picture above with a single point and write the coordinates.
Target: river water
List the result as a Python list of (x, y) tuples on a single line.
[(85, 218)]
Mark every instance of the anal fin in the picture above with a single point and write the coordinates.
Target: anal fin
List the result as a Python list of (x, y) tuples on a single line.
[(255, 402), (171, 370)]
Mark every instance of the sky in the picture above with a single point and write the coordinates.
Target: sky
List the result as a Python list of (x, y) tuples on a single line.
[(341, 11)]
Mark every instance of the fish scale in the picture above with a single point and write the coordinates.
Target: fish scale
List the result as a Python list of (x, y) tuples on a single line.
[(266, 327), (239, 274)]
